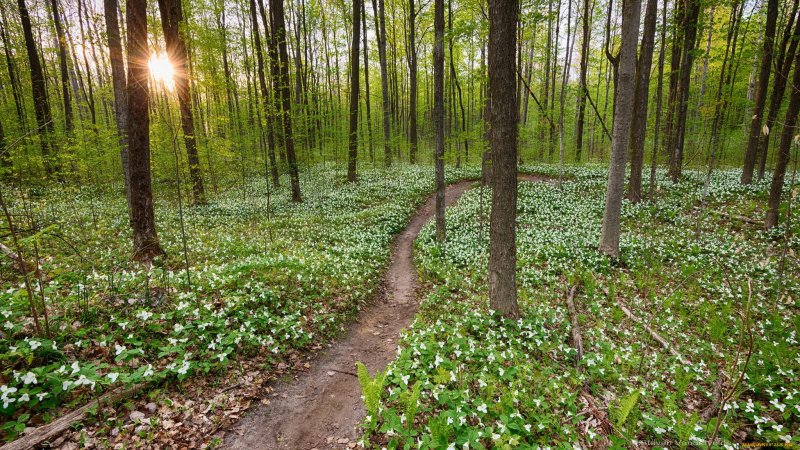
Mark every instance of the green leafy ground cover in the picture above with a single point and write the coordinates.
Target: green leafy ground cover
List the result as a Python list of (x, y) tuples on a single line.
[(486, 382), (261, 286)]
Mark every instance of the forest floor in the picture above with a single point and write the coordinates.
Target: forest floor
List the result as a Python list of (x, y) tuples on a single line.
[(323, 407), (282, 300)]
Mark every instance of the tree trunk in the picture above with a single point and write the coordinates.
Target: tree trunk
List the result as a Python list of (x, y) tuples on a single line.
[(684, 86), (789, 132), (659, 95), (171, 19), (145, 238), (283, 88), (583, 89), (640, 99), (784, 64), (623, 114), (13, 75), (268, 111), (503, 141), (380, 31), (438, 113), (352, 154), (367, 98), (41, 104), (62, 65), (119, 85), (761, 93), (412, 73)]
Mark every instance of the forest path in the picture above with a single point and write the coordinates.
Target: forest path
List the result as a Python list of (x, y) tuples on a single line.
[(322, 408)]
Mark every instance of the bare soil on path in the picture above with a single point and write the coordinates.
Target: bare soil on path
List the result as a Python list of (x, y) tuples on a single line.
[(322, 408)]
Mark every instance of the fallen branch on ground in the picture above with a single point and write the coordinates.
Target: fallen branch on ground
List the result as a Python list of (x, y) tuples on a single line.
[(577, 340), (19, 264), (58, 426), (733, 216)]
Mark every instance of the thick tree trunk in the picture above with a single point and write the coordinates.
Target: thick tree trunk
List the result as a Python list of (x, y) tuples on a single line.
[(352, 154), (62, 65), (684, 86), (789, 132), (623, 114), (145, 238), (118, 84), (438, 113), (503, 142), (171, 19), (640, 100), (380, 31), (761, 93), (412, 73), (41, 104), (283, 89)]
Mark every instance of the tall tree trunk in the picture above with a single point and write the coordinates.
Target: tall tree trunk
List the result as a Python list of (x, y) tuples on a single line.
[(270, 102), (380, 31), (503, 16), (41, 104), (789, 132), (659, 95), (761, 93), (283, 88), (352, 154), (367, 98), (62, 65), (412, 73), (784, 65), (13, 75), (583, 89), (640, 99), (623, 114), (684, 86), (145, 238), (171, 19), (89, 84), (118, 84), (454, 76), (438, 113)]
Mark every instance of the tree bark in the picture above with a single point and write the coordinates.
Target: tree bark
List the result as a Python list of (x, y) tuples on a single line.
[(684, 86), (438, 113), (503, 16), (412, 73), (145, 239), (659, 99), (789, 132), (380, 31), (623, 112), (118, 84), (171, 19), (268, 113), (761, 93), (41, 104), (583, 89), (787, 136), (352, 154), (278, 26), (62, 65), (640, 100), (784, 65)]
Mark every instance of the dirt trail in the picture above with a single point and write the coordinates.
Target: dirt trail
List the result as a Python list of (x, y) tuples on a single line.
[(322, 407)]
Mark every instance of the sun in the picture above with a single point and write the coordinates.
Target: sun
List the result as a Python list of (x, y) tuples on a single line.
[(161, 70)]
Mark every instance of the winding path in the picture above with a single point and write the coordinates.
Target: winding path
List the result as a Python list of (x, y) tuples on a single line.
[(322, 408)]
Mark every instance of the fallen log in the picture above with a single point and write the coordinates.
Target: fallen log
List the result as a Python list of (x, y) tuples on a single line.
[(58, 426), (657, 337), (19, 264)]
